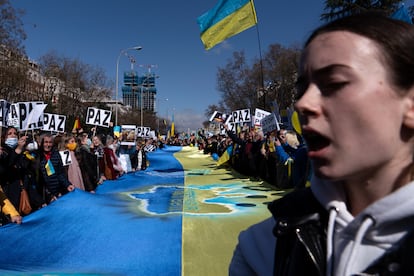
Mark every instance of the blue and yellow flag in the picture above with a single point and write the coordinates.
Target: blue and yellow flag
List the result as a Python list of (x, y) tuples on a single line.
[(172, 127), (49, 168), (226, 19), (225, 156)]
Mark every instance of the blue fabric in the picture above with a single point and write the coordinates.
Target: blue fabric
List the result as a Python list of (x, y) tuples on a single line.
[(402, 14), (104, 233), (220, 11)]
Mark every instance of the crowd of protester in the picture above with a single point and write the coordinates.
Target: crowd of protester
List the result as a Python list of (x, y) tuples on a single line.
[(49, 166), (278, 157)]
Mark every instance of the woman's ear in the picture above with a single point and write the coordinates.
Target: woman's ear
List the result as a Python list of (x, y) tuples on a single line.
[(409, 112)]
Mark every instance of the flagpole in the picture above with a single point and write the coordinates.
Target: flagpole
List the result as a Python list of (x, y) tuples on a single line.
[(261, 67)]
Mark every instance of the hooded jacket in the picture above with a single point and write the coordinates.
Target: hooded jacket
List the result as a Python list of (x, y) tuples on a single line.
[(346, 245)]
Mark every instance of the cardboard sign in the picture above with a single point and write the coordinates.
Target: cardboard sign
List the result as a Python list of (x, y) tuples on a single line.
[(26, 115), (259, 114), (54, 122), (269, 123), (66, 158), (241, 116), (13, 116), (218, 117), (144, 132), (128, 134), (98, 117), (4, 109)]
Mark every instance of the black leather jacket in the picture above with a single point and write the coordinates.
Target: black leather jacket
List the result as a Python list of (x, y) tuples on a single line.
[(301, 240)]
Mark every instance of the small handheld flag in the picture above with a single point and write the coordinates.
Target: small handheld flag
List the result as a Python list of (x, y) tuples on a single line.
[(50, 170)]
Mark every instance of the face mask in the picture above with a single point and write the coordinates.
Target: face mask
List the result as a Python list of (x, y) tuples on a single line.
[(32, 146), (89, 142), (71, 146), (11, 142)]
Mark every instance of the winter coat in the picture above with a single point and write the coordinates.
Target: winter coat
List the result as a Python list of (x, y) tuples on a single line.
[(55, 184)]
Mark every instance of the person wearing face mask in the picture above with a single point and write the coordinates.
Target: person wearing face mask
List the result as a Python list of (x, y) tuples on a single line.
[(13, 168), (31, 180), (73, 169)]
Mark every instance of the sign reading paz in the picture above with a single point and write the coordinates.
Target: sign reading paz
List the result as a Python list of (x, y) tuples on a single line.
[(241, 116), (54, 122), (143, 132), (98, 117)]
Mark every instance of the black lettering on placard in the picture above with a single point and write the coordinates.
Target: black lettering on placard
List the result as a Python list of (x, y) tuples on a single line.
[(139, 131), (90, 115), (234, 115), (97, 120), (147, 130), (2, 110), (65, 156), (66, 153), (61, 126), (22, 114), (52, 124), (247, 115), (14, 111), (46, 118), (232, 127), (107, 118), (240, 116)]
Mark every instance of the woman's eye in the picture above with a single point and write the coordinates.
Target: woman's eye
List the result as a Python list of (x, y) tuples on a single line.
[(300, 90), (332, 87)]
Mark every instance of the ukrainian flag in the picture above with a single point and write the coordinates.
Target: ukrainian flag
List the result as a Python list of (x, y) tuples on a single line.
[(226, 19), (225, 156), (49, 168)]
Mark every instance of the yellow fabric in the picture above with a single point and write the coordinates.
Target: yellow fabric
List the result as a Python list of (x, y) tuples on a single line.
[(210, 229), (233, 24), (8, 209)]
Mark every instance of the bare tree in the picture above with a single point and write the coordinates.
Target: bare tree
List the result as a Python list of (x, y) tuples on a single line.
[(339, 8), (241, 85), (82, 84)]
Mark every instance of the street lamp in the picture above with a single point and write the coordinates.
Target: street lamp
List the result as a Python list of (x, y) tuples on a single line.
[(137, 48)]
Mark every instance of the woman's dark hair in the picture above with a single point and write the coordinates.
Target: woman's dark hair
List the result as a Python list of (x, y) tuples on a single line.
[(394, 38)]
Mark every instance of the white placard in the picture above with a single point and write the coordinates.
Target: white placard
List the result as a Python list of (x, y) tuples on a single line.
[(98, 117)]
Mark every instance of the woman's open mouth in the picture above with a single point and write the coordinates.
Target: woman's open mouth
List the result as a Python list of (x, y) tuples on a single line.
[(315, 142)]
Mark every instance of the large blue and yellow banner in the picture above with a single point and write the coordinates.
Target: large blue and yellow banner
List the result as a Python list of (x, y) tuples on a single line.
[(181, 216)]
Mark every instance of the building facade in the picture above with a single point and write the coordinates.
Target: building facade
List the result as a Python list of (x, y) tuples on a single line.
[(139, 92)]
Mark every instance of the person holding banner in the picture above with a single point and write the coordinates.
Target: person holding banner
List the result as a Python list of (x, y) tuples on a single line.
[(12, 168), (74, 170), (113, 168), (87, 163), (355, 84), (8, 211), (52, 174)]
